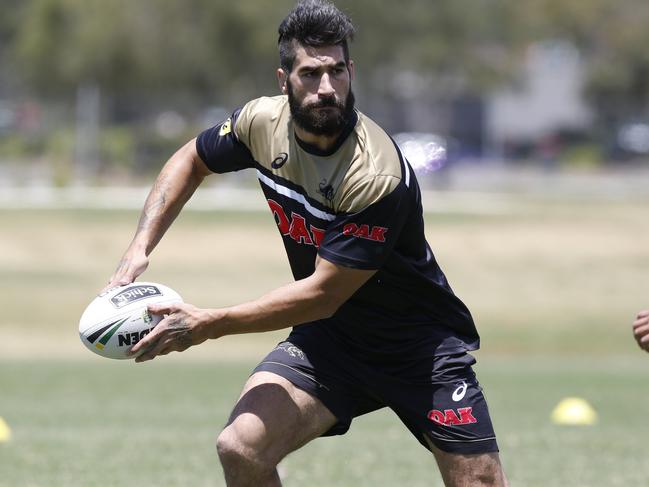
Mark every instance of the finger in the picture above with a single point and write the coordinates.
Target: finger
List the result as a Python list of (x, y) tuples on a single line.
[(118, 282), (641, 322), (641, 329), (165, 351), (643, 314), (149, 353), (162, 309), (643, 343), (144, 358), (149, 340), (643, 338), (157, 349)]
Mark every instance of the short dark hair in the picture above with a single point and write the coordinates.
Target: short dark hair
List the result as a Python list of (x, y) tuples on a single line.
[(313, 23)]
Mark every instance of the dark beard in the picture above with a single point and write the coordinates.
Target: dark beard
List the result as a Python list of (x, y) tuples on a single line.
[(319, 122)]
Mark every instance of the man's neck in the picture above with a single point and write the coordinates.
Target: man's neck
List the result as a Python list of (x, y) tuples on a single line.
[(322, 142)]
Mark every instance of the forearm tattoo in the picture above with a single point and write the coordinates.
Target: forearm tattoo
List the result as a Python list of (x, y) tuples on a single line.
[(154, 203)]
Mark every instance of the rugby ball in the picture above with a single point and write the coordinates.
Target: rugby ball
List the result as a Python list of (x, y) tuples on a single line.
[(118, 318)]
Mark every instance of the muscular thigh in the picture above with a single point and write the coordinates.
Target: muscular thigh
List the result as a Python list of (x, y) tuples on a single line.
[(275, 417)]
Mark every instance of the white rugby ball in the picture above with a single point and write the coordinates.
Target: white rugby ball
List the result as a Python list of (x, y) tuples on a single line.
[(117, 319)]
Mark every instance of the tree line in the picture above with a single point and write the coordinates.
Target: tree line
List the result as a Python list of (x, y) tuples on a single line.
[(195, 50)]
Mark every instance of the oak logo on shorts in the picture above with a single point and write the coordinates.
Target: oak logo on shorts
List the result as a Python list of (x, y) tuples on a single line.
[(450, 417), (295, 226), (376, 234)]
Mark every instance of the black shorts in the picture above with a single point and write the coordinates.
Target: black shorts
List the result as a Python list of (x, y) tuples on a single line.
[(438, 399)]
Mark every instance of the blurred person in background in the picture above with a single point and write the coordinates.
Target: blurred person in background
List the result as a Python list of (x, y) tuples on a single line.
[(375, 322), (641, 329)]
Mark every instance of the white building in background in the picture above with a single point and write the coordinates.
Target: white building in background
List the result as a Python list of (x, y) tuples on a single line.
[(548, 97)]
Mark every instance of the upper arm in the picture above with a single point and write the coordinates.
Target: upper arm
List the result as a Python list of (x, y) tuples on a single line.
[(185, 170), (221, 149), (199, 168)]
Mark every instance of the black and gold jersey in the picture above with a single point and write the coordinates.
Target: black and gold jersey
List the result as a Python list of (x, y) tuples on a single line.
[(357, 205)]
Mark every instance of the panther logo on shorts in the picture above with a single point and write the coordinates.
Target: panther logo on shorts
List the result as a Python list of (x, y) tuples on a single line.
[(291, 349)]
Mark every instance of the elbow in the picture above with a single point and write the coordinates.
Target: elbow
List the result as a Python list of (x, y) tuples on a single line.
[(329, 304), (328, 311)]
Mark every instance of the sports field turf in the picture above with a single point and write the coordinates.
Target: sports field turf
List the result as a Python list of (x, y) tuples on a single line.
[(553, 286)]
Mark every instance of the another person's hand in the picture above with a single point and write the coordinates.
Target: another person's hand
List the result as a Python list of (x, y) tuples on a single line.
[(641, 329), (183, 325)]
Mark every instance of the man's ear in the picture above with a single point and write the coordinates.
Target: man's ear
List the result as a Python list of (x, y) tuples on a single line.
[(350, 67), (282, 77)]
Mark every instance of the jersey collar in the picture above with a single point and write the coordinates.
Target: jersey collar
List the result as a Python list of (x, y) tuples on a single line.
[(314, 150)]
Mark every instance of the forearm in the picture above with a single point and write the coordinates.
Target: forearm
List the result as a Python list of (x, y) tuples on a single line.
[(173, 187), (295, 303), (175, 184), (313, 298)]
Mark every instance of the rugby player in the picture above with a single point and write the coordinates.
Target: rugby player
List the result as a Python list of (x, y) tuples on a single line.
[(641, 329), (374, 321)]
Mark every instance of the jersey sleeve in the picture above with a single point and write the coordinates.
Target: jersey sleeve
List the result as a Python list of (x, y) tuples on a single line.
[(221, 149), (364, 239)]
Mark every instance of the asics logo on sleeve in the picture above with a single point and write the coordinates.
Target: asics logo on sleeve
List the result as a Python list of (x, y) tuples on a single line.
[(459, 393), (279, 161)]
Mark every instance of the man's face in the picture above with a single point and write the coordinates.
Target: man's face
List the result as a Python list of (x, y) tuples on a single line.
[(319, 89)]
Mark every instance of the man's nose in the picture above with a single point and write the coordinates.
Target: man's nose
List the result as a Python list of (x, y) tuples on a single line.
[(325, 88)]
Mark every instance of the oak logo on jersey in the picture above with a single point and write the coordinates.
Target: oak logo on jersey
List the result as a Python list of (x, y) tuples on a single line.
[(295, 226), (376, 234), (449, 417)]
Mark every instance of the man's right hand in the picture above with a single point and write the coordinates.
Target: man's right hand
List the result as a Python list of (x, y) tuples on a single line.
[(129, 269)]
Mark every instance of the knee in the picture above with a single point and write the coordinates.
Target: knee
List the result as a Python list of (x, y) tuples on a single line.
[(490, 477), (236, 451), (231, 448)]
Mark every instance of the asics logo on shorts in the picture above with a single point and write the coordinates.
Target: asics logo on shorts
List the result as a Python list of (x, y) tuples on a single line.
[(458, 394)]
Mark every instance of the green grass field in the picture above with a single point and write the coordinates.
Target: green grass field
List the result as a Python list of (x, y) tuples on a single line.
[(553, 285)]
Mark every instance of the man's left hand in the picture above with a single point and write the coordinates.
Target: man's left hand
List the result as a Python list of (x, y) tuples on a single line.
[(182, 326)]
